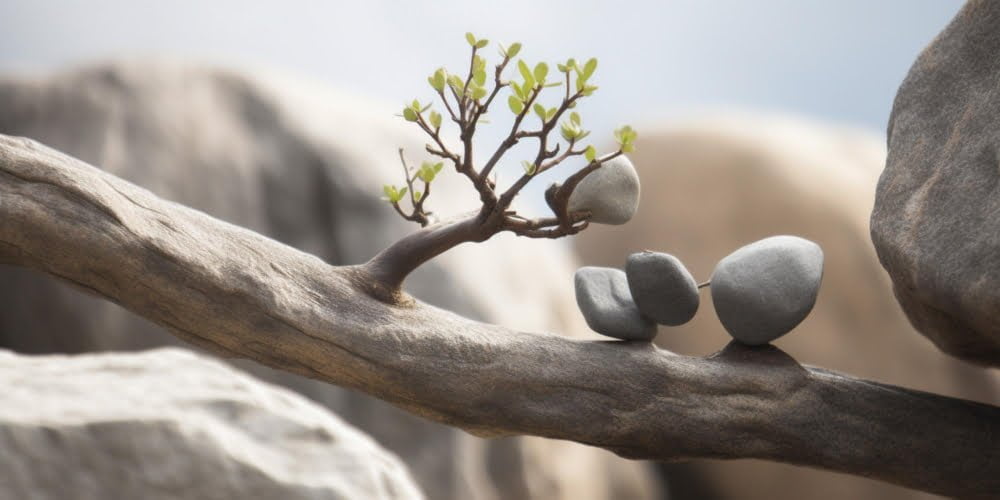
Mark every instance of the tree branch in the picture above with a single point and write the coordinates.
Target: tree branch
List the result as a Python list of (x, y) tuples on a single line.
[(239, 294)]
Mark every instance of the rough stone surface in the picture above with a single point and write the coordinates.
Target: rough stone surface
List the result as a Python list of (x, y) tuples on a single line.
[(610, 193), (764, 289), (303, 164), (604, 299), (714, 183), (662, 287), (936, 221), (167, 424)]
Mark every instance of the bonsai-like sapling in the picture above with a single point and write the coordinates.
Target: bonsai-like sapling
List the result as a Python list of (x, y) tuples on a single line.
[(605, 189)]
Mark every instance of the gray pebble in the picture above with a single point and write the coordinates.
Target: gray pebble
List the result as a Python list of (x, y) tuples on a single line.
[(610, 193), (662, 287), (603, 297), (763, 290)]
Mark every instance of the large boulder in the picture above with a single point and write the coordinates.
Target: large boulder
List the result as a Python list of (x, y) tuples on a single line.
[(936, 222), (303, 164), (715, 184), (167, 424)]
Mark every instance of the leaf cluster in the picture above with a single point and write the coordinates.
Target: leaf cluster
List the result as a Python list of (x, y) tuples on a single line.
[(467, 96)]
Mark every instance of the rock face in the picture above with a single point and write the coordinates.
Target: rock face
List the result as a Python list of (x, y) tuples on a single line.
[(603, 297), (712, 185), (302, 164), (936, 222), (662, 287), (610, 193), (167, 424), (764, 289)]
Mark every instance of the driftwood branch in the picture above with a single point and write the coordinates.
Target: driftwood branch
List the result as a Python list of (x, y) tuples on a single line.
[(238, 294)]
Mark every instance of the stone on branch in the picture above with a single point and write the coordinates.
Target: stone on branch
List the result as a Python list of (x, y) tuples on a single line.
[(764, 289), (610, 193), (604, 299), (662, 287)]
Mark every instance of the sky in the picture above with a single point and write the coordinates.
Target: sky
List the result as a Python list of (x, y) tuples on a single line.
[(839, 61)]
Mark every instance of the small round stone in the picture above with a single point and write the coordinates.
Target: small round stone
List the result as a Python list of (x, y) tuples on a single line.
[(604, 299), (610, 193), (662, 287), (763, 290)]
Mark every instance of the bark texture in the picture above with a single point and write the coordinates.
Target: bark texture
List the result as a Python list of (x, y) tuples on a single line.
[(238, 294)]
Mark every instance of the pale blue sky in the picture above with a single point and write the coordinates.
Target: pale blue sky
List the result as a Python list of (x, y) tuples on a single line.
[(839, 60)]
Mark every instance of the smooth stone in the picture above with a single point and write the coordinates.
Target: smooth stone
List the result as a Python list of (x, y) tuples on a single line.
[(764, 289), (603, 297), (662, 287), (610, 193)]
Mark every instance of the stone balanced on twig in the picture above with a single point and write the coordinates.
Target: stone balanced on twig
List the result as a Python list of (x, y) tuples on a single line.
[(764, 289)]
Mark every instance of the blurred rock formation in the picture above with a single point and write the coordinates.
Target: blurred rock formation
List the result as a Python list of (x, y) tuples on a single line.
[(168, 424)]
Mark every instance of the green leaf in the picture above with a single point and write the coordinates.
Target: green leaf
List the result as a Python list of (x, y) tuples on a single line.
[(513, 50), (529, 167), (517, 91), (479, 76), (469, 37), (428, 171), (409, 115), (516, 105), (435, 120), (525, 71), (392, 194), (574, 117), (550, 113), (478, 92), (417, 195), (541, 71), (568, 131), (526, 87), (540, 111), (415, 105), (626, 137), (478, 63), (590, 153), (456, 84), (588, 89), (571, 63), (438, 79), (553, 84), (562, 68), (588, 69), (481, 43)]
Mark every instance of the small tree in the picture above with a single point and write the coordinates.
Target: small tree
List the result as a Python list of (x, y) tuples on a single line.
[(466, 99)]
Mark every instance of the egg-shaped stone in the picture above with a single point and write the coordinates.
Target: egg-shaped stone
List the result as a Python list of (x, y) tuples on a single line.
[(662, 287), (610, 193), (764, 289)]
